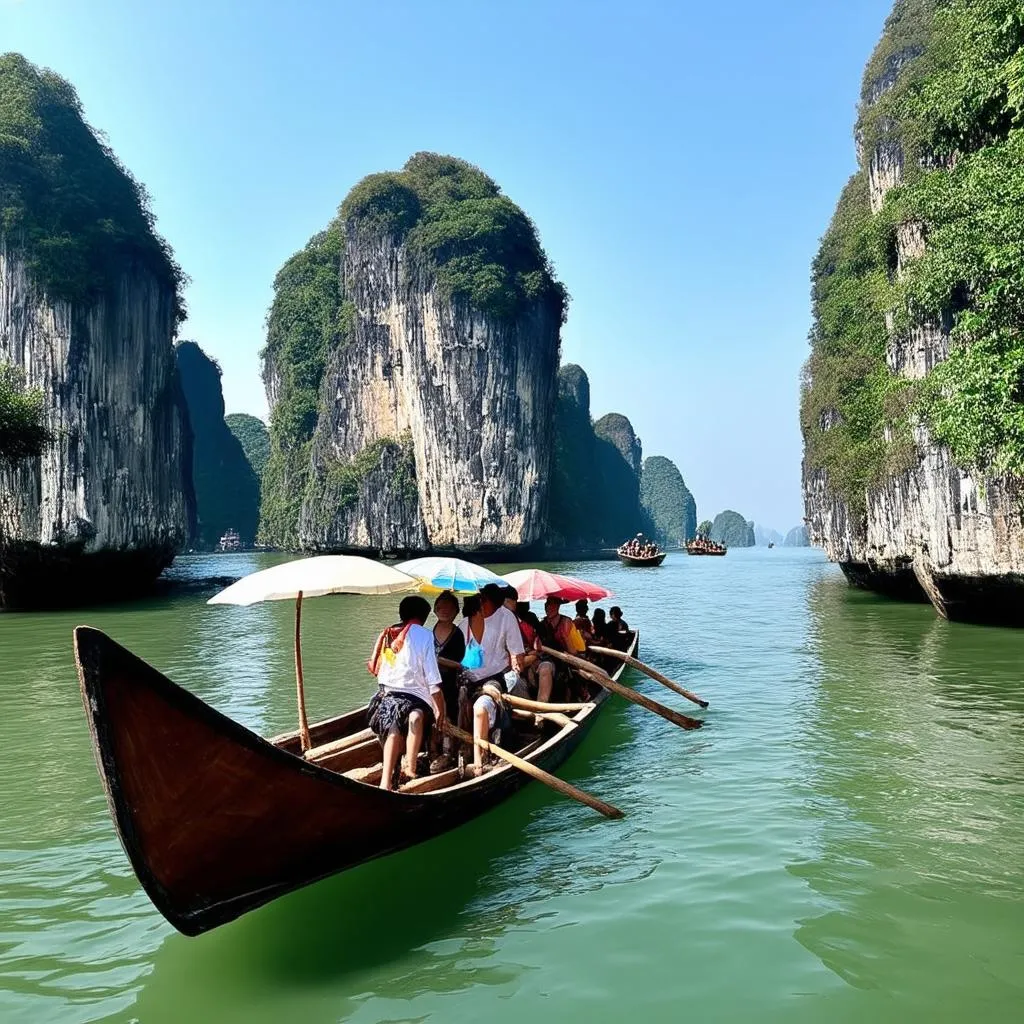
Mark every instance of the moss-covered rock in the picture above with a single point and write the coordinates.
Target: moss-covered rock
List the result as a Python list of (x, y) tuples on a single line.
[(226, 486), (67, 205), (667, 501)]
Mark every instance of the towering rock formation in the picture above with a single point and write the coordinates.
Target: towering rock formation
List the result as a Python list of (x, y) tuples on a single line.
[(410, 367), (226, 488), (89, 301), (619, 459), (911, 411), (667, 501), (765, 535), (732, 530), (797, 538)]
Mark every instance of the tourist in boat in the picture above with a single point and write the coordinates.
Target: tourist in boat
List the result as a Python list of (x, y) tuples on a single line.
[(618, 627), (600, 625), (558, 632), (495, 630), (450, 644), (409, 696), (582, 621)]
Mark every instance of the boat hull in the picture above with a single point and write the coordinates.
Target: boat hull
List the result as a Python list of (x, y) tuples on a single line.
[(217, 821), (650, 562)]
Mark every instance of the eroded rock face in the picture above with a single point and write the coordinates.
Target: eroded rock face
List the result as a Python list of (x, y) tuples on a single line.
[(436, 426), (106, 507), (933, 532)]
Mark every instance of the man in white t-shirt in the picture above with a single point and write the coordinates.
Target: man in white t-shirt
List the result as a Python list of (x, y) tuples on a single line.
[(409, 699), (502, 647)]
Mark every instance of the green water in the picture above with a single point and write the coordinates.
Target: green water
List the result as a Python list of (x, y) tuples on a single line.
[(844, 841)]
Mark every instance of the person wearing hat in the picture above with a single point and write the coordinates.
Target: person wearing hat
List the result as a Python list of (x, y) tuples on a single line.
[(501, 644)]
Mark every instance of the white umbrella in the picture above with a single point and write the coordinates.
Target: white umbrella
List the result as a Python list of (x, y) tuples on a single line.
[(454, 574), (314, 577)]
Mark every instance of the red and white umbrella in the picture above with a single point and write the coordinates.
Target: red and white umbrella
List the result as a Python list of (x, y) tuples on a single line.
[(538, 584)]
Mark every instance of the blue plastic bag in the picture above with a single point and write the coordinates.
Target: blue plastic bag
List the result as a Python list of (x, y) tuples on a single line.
[(474, 656)]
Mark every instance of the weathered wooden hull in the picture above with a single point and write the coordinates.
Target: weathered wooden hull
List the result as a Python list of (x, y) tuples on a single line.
[(217, 821), (650, 561)]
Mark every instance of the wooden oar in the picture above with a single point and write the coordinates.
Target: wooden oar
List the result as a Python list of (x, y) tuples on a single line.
[(534, 772), (653, 673), (539, 706), (598, 675)]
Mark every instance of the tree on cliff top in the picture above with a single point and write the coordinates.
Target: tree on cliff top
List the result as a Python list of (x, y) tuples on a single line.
[(704, 530), (483, 249), (667, 501), (23, 434), (732, 530), (78, 217)]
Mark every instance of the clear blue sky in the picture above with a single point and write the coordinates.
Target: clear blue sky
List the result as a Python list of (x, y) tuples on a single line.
[(681, 161)]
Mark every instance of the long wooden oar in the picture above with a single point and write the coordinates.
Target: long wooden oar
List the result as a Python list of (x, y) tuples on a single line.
[(598, 675), (653, 673), (534, 772)]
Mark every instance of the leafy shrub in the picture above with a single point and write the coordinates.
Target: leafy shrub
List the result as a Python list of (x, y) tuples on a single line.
[(23, 433)]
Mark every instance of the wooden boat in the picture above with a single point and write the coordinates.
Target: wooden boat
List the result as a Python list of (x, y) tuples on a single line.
[(699, 549), (217, 821), (646, 560)]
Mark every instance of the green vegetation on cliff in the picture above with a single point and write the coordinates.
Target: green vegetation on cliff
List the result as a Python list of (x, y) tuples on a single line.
[(482, 248), (732, 530), (253, 436), (23, 434), (667, 501), (226, 487), (457, 229), (66, 203), (944, 97)]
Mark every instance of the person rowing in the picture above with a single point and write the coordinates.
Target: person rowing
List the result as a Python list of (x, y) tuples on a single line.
[(409, 697)]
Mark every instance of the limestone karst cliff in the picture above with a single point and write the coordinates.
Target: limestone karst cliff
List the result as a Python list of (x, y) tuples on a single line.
[(732, 530), (595, 488), (667, 501), (797, 538), (912, 403), (226, 488), (410, 366), (89, 301)]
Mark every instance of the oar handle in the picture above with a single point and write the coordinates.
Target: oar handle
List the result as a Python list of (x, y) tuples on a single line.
[(532, 770), (653, 673), (598, 675)]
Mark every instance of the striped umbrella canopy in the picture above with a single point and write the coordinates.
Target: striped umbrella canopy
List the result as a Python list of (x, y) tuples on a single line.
[(444, 573), (538, 584)]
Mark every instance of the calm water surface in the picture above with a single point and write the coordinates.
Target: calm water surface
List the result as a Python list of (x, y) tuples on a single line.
[(844, 841)]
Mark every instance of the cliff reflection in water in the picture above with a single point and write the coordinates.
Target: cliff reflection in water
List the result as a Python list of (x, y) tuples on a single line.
[(917, 775)]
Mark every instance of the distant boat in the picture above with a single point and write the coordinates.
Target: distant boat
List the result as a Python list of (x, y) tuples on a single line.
[(705, 547), (771, 544), (231, 541), (642, 560)]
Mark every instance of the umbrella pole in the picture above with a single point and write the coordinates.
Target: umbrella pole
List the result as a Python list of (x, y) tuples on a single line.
[(300, 692)]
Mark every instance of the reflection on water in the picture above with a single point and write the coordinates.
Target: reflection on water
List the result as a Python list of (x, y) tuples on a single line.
[(918, 785), (842, 841)]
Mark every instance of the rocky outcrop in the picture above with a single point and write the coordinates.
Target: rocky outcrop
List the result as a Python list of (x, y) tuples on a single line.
[(89, 302), (226, 489), (797, 538), (106, 507), (732, 530), (926, 524), (436, 397), (667, 501)]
